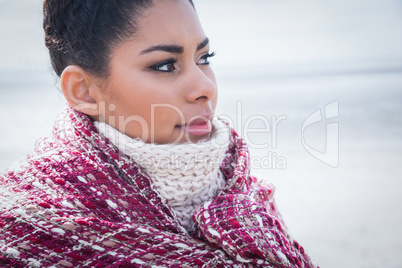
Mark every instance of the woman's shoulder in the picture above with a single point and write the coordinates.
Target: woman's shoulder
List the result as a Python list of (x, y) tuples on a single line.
[(47, 153), (49, 167), (54, 176)]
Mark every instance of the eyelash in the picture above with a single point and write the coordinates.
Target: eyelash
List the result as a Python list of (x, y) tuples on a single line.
[(158, 67), (206, 57), (172, 61)]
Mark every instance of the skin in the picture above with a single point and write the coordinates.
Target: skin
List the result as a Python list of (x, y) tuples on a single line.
[(184, 91)]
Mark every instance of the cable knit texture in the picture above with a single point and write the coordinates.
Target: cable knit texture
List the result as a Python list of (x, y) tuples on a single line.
[(76, 201), (186, 175)]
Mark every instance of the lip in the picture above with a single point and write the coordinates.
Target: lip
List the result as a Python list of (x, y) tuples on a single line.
[(199, 126)]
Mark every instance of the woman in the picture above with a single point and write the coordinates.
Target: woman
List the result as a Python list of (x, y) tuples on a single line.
[(138, 172)]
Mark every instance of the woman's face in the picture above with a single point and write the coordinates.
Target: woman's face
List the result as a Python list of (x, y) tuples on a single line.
[(161, 87)]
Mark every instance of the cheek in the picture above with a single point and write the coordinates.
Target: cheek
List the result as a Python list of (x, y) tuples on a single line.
[(167, 116), (162, 125)]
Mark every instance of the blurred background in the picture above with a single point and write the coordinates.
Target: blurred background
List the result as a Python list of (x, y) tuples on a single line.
[(282, 59)]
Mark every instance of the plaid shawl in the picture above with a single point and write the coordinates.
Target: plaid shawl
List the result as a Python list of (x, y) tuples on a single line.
[(76, 201)]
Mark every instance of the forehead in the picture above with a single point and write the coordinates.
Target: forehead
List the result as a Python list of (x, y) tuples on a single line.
[(170, 21)]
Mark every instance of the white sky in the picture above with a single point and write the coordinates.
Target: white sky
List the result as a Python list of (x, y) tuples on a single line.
[(286, 32), (250, 33)]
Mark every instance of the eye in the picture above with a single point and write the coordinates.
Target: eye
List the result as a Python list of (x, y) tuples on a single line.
[(204, 60), (166, 66)]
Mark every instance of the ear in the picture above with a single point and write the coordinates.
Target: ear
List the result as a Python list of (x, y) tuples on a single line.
[(80, 90)]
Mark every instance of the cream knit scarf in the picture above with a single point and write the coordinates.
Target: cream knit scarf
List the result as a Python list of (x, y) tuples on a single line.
[(186, 175)]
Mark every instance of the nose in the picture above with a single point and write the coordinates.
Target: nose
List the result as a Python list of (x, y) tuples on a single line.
[(201, 84)]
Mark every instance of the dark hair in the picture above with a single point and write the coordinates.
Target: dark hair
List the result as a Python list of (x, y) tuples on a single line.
[(83, 32)]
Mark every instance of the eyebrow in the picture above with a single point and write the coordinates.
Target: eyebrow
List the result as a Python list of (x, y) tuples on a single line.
[(173, 48)]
